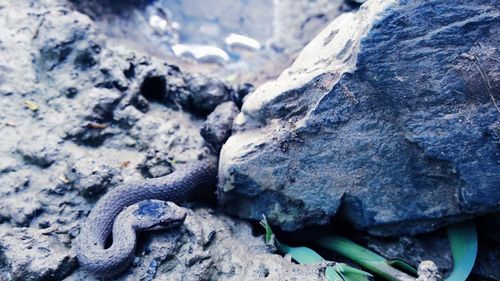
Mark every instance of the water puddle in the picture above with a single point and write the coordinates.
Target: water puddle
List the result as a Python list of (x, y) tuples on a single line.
[(212, 31), (235, 39)]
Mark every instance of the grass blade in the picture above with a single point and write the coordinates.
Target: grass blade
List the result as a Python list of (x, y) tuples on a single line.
[(333, 275), (302, 255), (305, 255), (463, 243), (365, 258), (403, 265), (341, 272), (269, 231), (347, 269)]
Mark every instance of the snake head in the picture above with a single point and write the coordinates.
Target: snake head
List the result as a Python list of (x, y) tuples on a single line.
[(157, 214)]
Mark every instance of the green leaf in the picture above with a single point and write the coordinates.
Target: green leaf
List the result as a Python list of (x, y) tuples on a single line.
[(350, 273), (354, 277), (333, 275), (463, 243), (404, 266), (367, 259), (348, 248), (302, 255), (305, 255), (269, 231), (347, 269)]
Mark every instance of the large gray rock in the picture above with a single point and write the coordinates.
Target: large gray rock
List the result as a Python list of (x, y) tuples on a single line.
[(388, 118)]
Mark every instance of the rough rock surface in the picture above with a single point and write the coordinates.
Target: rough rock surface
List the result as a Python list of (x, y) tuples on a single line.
[(33, 254), (80, 114), (389, 117), (217, 128)]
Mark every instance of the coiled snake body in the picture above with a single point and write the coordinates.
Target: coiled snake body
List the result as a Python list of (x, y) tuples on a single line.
[(112, 215)]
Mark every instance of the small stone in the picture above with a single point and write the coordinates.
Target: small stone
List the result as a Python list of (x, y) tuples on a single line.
[(40, 150), (98, 107), (241, 92), (101, 103), (128, 116), (93, 177), (428, 271), (204, 94), (156, 164), (217, 128)]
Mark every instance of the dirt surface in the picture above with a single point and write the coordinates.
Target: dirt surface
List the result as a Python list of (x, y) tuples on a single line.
[(81, 114)]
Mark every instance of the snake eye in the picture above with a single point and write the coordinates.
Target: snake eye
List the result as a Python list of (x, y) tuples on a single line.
[(158, 226)]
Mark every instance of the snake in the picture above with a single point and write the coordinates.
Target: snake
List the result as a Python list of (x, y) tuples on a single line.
[(134, 207)]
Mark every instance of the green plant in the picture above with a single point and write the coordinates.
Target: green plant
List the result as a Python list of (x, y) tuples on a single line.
[(462, 238), (463, 243), (367, 259), (305, 255)]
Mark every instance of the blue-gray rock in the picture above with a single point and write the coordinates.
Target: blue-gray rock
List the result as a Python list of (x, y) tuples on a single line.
[(388, 118), (204, 95), (217, 128), (32, 254), (92, 177)]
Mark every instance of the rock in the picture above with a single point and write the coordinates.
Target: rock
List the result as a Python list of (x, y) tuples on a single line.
[(415, 249), (388, 118), (486, 265), (217, 128), (92, 126), (204, 95), (428, 271), (92, 177), (156, 164), (30, 254), (241, 92), (38, 151)]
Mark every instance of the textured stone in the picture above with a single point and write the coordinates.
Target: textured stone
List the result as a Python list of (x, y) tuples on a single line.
[(30, 254), (217, 128), (387, 118), (92, 177), (204, 95)]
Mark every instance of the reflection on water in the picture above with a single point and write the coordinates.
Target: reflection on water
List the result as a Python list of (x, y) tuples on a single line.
[(241, 41), (252, 40), (200, 52), (211, 31)]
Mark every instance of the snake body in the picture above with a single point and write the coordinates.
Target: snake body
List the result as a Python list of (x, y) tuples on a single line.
[(106, 217)]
